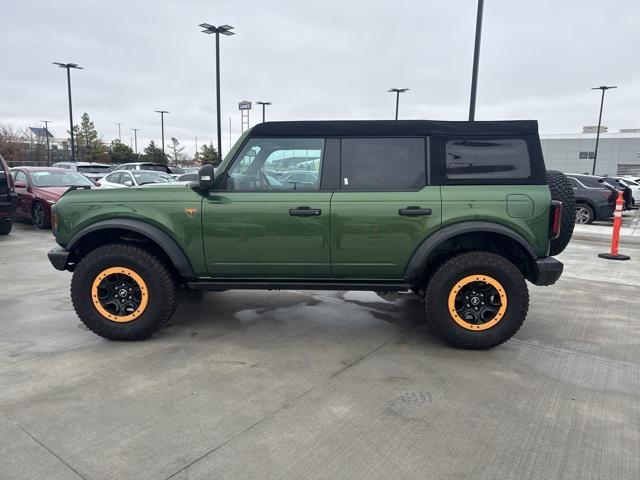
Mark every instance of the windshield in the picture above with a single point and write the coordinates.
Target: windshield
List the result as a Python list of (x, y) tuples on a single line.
[(143, 177), (94, 169), (59, 179), (155, 168)]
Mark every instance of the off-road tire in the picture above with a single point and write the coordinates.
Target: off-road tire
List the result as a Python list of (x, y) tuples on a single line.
[(161, 286), (40, 220), (591, 216), (561, 189), (5, 227), (435, 302)]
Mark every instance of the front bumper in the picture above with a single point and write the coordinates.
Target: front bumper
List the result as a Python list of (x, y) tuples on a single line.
[(59, 258), (547, 271)]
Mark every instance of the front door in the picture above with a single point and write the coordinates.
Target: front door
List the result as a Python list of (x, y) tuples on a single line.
[(268, 216)]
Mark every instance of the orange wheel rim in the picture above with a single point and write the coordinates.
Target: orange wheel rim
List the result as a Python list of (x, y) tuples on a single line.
[(477, 302), (119, 294)]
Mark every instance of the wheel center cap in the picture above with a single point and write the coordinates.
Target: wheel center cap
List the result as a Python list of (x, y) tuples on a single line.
[(475, 301), (123, 293)]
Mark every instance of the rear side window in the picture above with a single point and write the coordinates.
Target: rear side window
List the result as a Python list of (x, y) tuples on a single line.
[(383, 164), (469, 159)]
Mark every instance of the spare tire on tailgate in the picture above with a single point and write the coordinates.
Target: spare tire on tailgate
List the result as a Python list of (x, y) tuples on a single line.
[(562, 191)]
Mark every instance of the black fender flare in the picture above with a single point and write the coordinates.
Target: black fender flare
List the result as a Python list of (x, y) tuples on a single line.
[(419, 258), (162, 239)]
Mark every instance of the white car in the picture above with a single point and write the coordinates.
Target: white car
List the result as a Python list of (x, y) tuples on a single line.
[(634, 185), (134, 178)]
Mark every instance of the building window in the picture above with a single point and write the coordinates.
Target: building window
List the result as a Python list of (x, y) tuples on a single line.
[(586, 155)]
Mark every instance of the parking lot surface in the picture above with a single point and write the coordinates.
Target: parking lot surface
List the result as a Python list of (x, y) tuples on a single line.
[(294, 384)]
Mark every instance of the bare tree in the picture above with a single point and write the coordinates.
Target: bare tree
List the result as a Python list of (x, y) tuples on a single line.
[(12, 143)]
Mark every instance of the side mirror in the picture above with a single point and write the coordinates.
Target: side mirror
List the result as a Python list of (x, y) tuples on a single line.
[(20, 184), (128, 183), (206, 177)]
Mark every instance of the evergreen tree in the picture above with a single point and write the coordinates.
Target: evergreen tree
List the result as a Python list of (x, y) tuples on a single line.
[(88, 145), (209, 154), (154, 154), (121, 153)]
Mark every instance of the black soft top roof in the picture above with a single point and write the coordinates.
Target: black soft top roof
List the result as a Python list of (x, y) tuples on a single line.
[(393, 128)]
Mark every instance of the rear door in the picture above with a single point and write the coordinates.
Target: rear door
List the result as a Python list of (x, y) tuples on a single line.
[(384, 208)]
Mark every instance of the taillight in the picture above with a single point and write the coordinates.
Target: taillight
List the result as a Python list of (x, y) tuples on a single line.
[(555, 219)]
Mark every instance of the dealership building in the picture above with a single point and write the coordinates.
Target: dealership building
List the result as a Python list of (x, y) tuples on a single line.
[(618, 153)]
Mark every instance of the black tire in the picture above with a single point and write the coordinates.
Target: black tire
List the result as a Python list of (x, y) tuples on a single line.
[(39, 217), (584, 213), (561, 189), (160, 285), (5, 227), (465, 265)]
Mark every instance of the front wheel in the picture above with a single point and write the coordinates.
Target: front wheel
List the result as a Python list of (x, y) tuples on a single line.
[(39, 216), (122, 292), (476, 300), (5, 226)]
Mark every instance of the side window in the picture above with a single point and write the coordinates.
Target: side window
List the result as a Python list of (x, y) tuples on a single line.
[(21, 177), (277, 164), (115, 177), (471, 159), (383, 164)]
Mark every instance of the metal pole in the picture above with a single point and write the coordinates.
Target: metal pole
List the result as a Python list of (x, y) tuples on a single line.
[(397, 102), (46, 130), (135, 136), (119, 135), (476, 61), (219, 127), (263, 107), (162, 126), (595, 154), (73, 143)]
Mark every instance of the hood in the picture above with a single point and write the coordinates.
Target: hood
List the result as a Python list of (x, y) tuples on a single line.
[(50, 193)]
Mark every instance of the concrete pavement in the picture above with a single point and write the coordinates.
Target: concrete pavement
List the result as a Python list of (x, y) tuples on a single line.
[(320, 385)]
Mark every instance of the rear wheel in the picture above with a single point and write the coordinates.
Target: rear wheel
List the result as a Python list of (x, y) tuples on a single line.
[(39, 217), (584, 213), (561, 189), (5, 227), (476, 300), (122, 292)]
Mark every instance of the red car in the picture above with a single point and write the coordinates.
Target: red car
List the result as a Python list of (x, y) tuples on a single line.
[(40, 187)]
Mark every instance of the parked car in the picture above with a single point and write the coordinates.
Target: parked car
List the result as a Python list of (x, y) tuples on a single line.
[(633, 188), (157, 167), (301, 177), (595, 199), (188, 177), (381, 218), (38, 188), (135, 178), (94, 171), (7, 198)]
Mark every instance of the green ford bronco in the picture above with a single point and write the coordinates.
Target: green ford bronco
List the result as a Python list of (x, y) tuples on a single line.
[(461, 213)]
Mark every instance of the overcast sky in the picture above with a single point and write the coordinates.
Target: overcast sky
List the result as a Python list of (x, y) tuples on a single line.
[(331, 59)]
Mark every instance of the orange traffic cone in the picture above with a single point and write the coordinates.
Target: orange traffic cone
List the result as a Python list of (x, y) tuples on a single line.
[(615, 239)]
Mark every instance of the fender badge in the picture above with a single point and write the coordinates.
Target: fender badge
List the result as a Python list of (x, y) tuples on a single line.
[(190, 212)]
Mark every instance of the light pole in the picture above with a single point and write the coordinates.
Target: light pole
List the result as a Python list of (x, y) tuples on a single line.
[(397, 91), (476, 61), (225, 30), (604, 88), (135, 138), (68, 67), (162, 112), (264, 104), (119, 135), (46, 131)]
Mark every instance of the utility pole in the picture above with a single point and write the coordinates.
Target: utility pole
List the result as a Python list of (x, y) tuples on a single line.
[(46, 131), (135, 136), (476, 61), (604, 88), (119, 135), (162, 112)]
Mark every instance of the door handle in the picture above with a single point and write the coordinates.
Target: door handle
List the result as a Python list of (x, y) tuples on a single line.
[(305, 212), (414, 211)]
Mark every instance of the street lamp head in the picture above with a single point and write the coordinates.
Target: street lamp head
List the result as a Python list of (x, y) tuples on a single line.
[(398, 90), (263, 103), (603, 87), (161, 111), (223, 29), (67, 65)]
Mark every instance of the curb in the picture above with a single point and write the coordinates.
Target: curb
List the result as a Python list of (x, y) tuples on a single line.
[(598, 237)]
